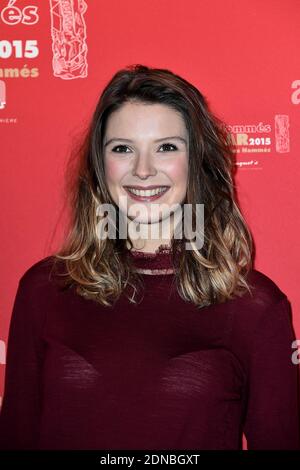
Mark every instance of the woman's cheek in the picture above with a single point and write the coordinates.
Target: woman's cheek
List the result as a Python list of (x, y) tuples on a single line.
[(114, 172), (178, 170)]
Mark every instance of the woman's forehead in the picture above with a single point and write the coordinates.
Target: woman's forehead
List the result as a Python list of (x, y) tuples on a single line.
[(148, 121)]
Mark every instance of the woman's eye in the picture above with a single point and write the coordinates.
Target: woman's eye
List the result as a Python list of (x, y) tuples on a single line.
[(168, 146), (120, 146)]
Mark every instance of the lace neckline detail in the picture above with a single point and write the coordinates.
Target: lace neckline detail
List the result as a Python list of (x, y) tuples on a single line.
[(147, 254), (158, 262)]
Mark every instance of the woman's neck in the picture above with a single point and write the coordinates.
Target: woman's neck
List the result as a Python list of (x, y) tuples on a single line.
[(147, 244)]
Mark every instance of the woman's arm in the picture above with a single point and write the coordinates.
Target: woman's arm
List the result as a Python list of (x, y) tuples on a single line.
[(21, 406), (272, 418)]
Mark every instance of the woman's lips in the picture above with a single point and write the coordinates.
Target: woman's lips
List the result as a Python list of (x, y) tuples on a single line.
[(146, 198)]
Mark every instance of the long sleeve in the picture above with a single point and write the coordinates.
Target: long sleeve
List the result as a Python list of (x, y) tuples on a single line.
[(272, 418), (19, 417)]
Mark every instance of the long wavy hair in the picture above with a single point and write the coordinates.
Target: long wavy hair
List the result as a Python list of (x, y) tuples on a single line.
[(100, 269)]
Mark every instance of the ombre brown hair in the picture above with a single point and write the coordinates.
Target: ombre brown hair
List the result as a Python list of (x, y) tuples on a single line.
[(100, 269)]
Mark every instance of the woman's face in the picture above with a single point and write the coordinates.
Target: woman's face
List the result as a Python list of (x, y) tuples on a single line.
[(146, 146)]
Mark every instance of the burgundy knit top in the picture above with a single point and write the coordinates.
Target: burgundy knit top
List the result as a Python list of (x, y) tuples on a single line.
[(160, 374)]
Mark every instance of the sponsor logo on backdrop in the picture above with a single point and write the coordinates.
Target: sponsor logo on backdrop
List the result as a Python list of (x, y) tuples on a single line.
[(15, 14), (2, 94), (259, 139), (282, 136), (68, 32), (12, 14), (19, 49)]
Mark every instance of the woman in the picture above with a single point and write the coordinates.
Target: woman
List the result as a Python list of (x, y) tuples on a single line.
[(142, 341)]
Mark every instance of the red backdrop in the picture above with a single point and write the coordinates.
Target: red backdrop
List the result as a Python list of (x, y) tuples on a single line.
[(243, 56)]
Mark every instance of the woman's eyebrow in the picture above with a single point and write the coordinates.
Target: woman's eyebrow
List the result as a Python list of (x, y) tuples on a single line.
[(177, 137)]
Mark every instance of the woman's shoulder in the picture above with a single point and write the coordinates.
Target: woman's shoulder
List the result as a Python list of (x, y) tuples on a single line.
[(35, 294), (40, 273), (265, 290), (263, 315), (267, 302)]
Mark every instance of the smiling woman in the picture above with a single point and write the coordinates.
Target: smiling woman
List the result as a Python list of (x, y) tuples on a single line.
[(149, 167), (152, 128), (205, 353)]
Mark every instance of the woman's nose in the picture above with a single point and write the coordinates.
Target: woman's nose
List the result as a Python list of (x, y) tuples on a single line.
[(144, 166)]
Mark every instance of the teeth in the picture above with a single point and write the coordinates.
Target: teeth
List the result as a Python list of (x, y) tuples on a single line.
[(147, 193)]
